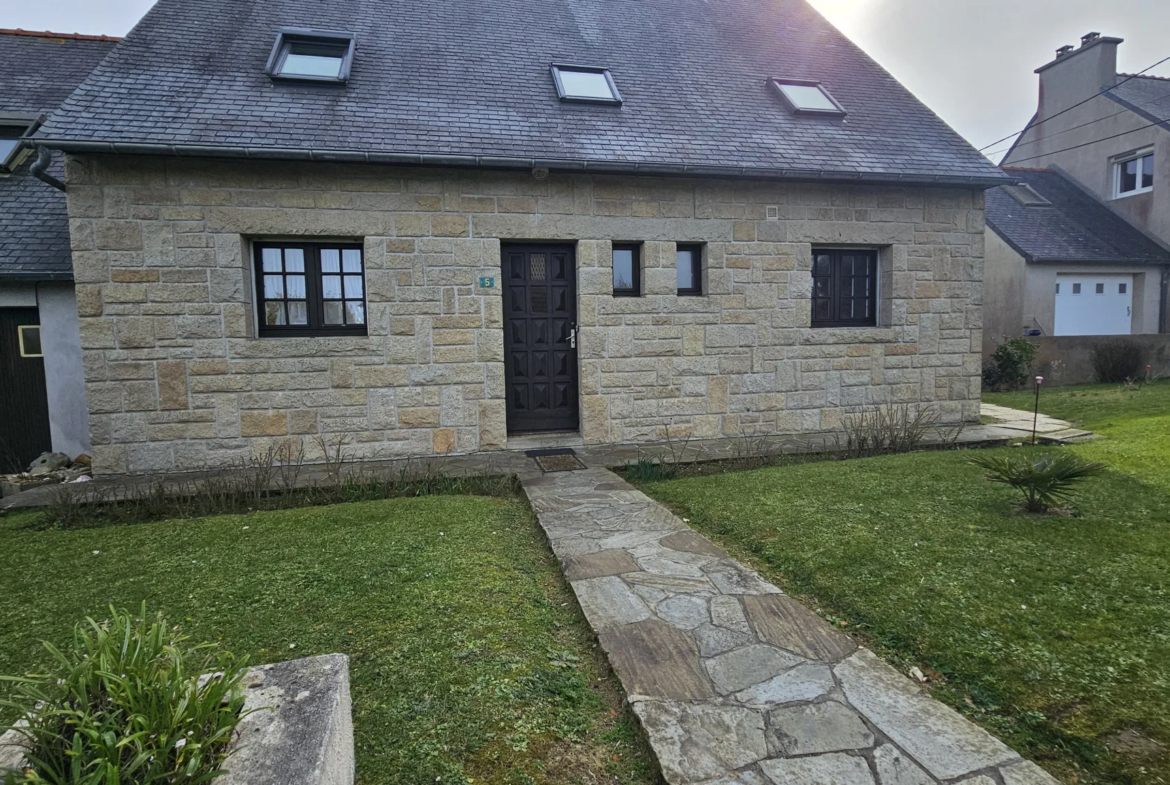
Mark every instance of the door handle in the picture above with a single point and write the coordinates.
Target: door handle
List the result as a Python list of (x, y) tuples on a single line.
[(572, 335)]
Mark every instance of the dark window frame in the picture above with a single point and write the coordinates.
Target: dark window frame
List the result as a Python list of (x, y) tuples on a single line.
[(636, 252), (565, 97), (834, 283), (24, 126), (696, 250), (777, 82), (315, 301), (286, 37)]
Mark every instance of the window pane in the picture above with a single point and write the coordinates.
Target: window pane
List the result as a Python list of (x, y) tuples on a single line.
[(353, 287), (1076, 288), (30, 341), (820, 309), (298, 312), (807, 97), (334, 313), (6, 148), (585, 84), (273, 287), (331, 287), (822, 266), (274, 313), (684, 269), (330, 260), (1100, 288), (1121, 288), (351, 260), (295, 286), (1129, 176), (313, 60), (355, 313), (823, 287), (271, 257), (294, 260), (1148, 171), (623, 268)]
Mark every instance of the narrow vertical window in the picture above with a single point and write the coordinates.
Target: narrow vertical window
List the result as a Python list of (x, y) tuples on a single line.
[(626, 275), (844, 288), (310, 289), (688, 264)]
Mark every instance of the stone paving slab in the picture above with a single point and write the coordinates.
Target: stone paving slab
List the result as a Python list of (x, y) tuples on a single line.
[(1049, 430), (734, 682)]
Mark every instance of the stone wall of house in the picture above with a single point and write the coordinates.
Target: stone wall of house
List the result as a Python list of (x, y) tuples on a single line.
[(177, 379)]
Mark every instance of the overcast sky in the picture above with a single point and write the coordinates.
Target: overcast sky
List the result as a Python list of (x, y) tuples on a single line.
[(971, 61)]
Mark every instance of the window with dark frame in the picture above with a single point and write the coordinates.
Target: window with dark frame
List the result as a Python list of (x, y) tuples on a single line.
[(844, 288), (585, 84), (626, 273), (310, 289), (808, 97), (10, 135), (311, 55), (688, 262)]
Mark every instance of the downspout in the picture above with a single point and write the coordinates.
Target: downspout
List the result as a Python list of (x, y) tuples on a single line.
[(1162, 305), (40, 167)]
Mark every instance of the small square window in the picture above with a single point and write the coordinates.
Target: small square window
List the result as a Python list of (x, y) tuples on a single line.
[(626, 275), (1076, 288), (1100, 288), (585, 84), (1058, 288), (1122, 288), (806, 96), (689, 270), (1134, 175), (30, 340), (311, 55)]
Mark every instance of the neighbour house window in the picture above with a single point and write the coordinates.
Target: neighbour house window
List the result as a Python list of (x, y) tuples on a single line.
[(30, 340), (844, 288), (689, 270), (310, 289), (626, 275), (311, 55), (1100, 288), (10, 143), (807, 96), (1134, 174), (586, 84), (1076, 288), (1122, 288)]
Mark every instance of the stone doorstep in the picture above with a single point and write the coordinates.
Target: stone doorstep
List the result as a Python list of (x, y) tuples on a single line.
[(299, 729), (736, 683)]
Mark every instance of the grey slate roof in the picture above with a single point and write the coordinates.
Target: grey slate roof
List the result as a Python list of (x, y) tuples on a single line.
[(1075, 228), (36, 74), (1149, 96), (469, 80)]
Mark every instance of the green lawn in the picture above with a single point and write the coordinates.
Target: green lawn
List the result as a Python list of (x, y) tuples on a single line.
[(1051, 631), (469, 659)]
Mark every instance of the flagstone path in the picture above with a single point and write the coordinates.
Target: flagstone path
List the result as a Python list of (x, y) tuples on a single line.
[(1049, 430), (734, 682)]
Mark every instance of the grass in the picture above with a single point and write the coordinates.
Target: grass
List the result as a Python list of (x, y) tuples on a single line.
[(469, 659), (1051, 631)]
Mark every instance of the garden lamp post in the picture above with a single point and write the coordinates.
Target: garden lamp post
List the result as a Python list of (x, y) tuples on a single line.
[(1036, 408)]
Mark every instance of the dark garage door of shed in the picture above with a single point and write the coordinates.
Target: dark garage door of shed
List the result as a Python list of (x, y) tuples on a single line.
[(24, 403)]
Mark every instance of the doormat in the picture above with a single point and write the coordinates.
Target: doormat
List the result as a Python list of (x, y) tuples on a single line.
[(558, 463)]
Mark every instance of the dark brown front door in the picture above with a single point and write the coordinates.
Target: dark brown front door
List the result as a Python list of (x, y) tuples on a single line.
[(540, 317), (24, 404)]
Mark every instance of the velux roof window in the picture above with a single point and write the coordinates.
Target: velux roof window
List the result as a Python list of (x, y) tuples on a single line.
[(311, 55), (805, 96), (11, 130), (587, 84)]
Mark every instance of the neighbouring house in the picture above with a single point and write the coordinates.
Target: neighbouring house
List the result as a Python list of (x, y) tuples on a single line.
[(449, 227), (42, 387)]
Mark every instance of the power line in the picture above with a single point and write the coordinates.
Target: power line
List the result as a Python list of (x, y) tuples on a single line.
[(1074, 106), (1082, 125), (1165, 123)]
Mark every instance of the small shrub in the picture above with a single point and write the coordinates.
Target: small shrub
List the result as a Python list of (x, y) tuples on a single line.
[(1044, 479), (1010, 365), (1117, 361), (647, 469), (886, 430), (125, 705)]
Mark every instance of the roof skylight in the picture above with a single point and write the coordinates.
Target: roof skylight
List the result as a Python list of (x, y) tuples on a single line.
[(10, 134), (1026, 195), (806, 96), (311, 55), (586, 84)]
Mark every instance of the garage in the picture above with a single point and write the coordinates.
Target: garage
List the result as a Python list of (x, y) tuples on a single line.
[(1095, 304)]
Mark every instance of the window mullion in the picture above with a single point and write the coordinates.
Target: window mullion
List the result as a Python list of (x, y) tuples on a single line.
[(313, 285)]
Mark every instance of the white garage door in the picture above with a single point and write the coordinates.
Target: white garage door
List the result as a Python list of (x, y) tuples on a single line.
[(1094, 304)]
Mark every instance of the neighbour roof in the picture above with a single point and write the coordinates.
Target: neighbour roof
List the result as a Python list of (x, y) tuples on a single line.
[(37, 72), (467, 82), (1074, 228), (1148, 96)]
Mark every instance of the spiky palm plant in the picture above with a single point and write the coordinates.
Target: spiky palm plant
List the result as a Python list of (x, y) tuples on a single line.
[(1045, 479)]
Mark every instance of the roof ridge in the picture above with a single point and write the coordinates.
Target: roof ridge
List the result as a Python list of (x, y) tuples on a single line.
[(1146, 76), (51, 34), (1024, 169)]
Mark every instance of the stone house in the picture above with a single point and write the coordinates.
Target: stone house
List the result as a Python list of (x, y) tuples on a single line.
[(42, 388), (293, 221)]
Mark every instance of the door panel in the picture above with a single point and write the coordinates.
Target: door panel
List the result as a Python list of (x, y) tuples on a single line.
[(1088, 304), (541, 368), (24, 403)]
